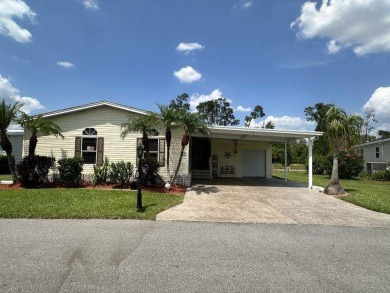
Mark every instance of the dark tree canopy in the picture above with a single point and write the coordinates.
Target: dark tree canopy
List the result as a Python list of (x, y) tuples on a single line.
[(257, 112), (317, 114), (269, 125), (181, 102), (217, 112), (383, 134)]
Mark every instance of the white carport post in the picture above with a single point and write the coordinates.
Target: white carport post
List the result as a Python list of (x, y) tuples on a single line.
[(310, 163), (285, 161)]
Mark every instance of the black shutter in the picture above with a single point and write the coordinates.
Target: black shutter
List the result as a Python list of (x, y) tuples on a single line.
[(100, 151), (77, 147), (161, 150)]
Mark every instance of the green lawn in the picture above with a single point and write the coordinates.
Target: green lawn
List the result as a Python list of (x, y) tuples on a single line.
[(5, 177), (72, 203), (373, 195)]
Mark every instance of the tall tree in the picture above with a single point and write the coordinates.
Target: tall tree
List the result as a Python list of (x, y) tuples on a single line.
[(369, 118), (35, 125), (181, 102), (258, 112), (383, 134), (8, 114), (191, 123), (341, 130), (145, 124), (217, 112), (317, 114), (169, 118)]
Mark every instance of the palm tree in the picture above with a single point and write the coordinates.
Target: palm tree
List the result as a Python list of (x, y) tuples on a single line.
[(8, 114), (341, 130), (36, 124), (169, 119), (146, 124), (191, 122)]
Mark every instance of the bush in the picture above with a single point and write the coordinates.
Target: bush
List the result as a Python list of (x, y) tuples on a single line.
[(100, 173), (364, 175), (4, 167), (121, 172), (351, 163), (383, 175), (150, 168), (32, 171), (319, 164), (70, 170)]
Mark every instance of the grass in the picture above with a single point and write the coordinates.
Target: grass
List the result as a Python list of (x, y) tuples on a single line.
[(5, 177), (373, 195), (73, 203)]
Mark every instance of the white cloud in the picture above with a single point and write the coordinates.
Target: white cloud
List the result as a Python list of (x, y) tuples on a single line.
[(189, 47), (65, 64), (187, 74), (286, 122), (10, 9), (11, 95), (362, 25), (243, 4), (243, 109), (195, 99), (91, 4), (380, 103)]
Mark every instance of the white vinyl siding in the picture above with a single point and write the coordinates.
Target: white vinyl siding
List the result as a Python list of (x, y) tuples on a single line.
[(107, 121)]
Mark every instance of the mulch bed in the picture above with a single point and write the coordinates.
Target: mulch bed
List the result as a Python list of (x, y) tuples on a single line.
[(175, 189)]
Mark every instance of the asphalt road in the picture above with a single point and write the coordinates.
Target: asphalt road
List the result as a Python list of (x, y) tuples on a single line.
[(148, 256)]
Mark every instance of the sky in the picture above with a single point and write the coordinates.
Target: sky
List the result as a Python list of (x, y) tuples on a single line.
[(284, 55)]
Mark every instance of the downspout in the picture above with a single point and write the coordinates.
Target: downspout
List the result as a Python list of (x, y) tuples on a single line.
[(310, 162)]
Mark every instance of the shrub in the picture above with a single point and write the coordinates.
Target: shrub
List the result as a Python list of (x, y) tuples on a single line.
[(351, 163), (150, 168), (319, 164), (121, 172), (100, 173), (364, 175), (70, 170), (4, 167), (383, 175), (32, 171)]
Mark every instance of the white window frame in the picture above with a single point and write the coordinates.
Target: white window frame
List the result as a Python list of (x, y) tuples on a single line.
[(96, 145)]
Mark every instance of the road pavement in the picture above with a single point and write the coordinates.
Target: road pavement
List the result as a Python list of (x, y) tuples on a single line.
[(149, 256)]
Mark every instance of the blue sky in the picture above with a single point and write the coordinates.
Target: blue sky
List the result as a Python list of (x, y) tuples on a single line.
[(283, 55)]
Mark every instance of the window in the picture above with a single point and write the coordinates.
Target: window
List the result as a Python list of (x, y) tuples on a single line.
[(156, 149), (89, 147), (377, 152)]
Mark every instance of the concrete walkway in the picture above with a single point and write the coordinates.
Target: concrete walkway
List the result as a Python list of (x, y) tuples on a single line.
[(269, 201)]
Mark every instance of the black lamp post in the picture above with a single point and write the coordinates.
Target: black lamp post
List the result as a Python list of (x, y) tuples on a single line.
[(140, 154)]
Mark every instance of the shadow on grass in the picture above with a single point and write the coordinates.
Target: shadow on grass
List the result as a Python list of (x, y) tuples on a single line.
[(350, 190)]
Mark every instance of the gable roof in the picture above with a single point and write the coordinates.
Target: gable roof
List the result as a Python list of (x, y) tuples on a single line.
[(92, 106), (373, 142)]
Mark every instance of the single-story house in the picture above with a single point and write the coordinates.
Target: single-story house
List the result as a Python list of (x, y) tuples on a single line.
[(376, 154), (92, 131), (16, 139)]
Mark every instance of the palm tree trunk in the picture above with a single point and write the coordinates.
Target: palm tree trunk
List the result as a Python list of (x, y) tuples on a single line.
[(334, 187), (11, 164), (32, 145), (178, 164)]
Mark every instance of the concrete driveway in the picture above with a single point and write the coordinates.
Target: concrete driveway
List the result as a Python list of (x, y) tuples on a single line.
[(268, 201)]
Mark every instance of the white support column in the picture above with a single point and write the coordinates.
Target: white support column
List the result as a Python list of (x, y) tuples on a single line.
[(310, 162), (285, 161)]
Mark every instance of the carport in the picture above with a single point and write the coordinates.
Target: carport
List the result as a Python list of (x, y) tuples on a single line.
[(237, 152)]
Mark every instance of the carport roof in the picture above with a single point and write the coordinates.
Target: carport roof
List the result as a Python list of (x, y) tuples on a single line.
[(259, 134)]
